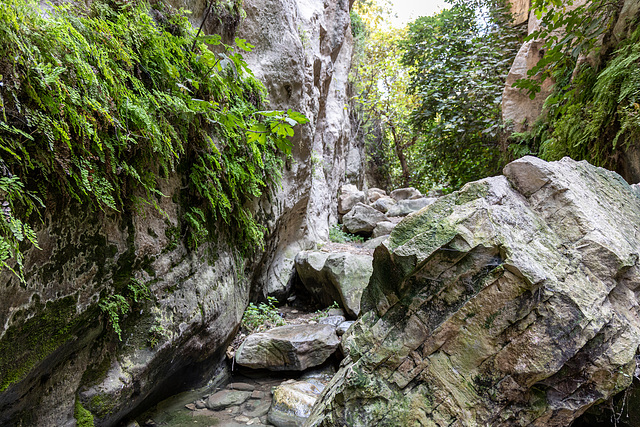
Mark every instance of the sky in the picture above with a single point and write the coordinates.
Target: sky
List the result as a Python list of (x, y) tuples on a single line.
[(409, 10)]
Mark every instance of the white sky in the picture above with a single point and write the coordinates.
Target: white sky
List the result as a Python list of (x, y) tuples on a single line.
[(409, 10)]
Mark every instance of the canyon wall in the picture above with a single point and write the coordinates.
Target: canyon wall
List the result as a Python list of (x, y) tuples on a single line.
[(58, 349)]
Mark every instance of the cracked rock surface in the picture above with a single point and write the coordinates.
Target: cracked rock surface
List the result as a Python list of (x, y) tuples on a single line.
[(510, 302)]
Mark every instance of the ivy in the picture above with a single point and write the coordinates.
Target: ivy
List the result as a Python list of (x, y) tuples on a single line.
[(99, 104)]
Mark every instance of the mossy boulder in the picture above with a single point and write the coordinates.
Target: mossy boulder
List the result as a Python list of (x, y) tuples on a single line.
[(510, 302)]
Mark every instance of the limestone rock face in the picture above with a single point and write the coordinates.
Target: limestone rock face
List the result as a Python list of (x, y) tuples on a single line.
[(303, 55), (338, 276), (288, 348), (405, 207), (513, 301)]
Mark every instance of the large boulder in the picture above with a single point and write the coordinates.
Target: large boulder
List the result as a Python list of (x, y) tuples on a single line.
[(510, 302), (362, 219), (288, 348), (337, 276)]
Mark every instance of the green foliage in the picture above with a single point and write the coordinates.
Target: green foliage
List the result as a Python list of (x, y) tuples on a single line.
[(568, 32), (98, 105), (321, 314), (262, 317), (338, 235), (113, 307), (83, 417), (459, 60), (594, 110)]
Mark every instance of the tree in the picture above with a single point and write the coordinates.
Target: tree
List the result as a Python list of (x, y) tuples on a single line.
[(458, 63)]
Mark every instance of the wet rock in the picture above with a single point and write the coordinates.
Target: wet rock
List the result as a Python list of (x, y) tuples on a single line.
[(225, 398), (362, 219), (293, 400), (510, 302), (288, 348), (406, 207), (339, 276), (405, 193)]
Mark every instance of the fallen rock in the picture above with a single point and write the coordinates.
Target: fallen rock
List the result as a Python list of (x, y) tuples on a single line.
[(405, 193), (406, 207), (349, 197), (383, 204), (375, 242), (374, 194), (288, 348), (338, 276), (225, 398), (362, 219), (383, 228), (510, 302), (293, 400)]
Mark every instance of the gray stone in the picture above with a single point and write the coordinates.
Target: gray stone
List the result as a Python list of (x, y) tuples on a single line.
[(331, 320), (362, 219), (374, 194), (288, 348), (406, 207), (293, 400), (339, 276), (241, 386), (225, 398), (344, 327), (375, 242), (383, 228), (383, 204), (404, 193), (509, 302), (346, 201)]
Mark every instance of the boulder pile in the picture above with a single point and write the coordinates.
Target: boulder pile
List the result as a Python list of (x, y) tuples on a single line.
[(373, 213)]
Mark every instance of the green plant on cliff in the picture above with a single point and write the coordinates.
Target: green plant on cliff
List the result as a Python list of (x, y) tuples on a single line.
[(593, 113), (99, 106), (261, 317), (83, 417)]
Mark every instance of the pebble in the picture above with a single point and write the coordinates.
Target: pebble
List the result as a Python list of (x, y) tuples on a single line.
[(191, 406), (242, 419), (200, 404), (257, 394)]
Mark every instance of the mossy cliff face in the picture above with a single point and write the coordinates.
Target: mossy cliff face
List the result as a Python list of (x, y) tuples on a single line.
[(58, 343), (510, 302), (56, 328)]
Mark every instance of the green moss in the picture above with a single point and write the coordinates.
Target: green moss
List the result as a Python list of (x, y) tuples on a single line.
[(83, 417), (101, 404), (25, 344)]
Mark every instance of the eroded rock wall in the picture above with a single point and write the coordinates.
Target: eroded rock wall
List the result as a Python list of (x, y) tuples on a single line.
[(57, 346)]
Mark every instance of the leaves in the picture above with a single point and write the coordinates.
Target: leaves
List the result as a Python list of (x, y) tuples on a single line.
[(98, 105)]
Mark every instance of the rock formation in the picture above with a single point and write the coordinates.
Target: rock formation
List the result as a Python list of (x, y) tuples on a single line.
[(55, 346), (510, 302)]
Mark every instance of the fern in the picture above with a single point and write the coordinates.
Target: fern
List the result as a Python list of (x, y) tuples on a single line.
[(95, 100)]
